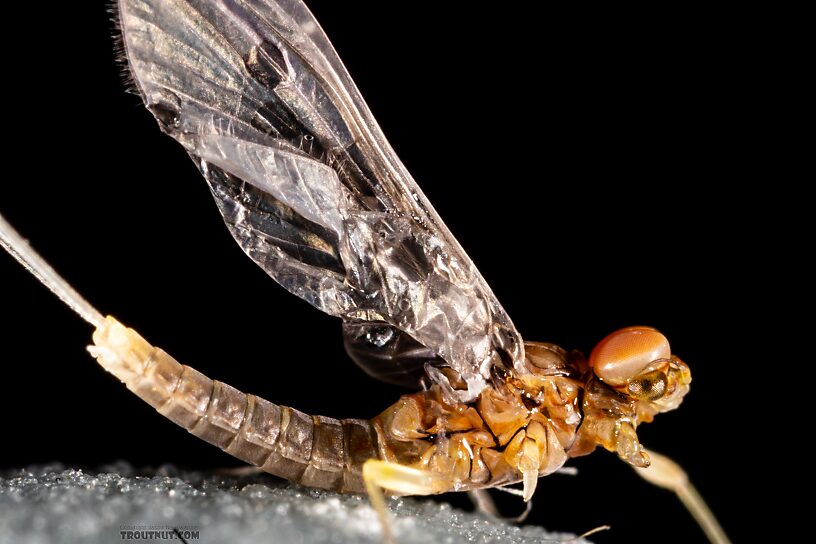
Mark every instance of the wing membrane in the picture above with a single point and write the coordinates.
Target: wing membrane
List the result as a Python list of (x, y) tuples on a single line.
[(308, 185)]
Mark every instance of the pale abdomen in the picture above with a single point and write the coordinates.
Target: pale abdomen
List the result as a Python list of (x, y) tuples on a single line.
[(314, 451)]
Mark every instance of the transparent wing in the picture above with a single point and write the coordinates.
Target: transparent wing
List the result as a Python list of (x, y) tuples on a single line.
[(308, 185)]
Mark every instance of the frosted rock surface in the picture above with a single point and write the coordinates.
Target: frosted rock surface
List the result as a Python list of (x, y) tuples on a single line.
[(54, 504)]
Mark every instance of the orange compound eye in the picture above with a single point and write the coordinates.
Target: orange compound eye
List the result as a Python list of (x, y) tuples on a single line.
[(624, 353)]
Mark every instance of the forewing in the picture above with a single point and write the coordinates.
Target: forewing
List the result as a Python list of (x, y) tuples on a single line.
[(307, 183)]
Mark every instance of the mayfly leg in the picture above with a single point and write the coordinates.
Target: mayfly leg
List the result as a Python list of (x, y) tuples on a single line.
[(314, 451), (665, 473), (379, 475)]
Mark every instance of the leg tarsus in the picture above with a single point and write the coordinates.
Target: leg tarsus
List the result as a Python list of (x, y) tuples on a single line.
[(375, 495), (484, 502), (483, 493), (586, 534), (665, 473)]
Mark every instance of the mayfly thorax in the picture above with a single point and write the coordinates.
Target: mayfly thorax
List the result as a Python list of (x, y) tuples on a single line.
[(313, 193)]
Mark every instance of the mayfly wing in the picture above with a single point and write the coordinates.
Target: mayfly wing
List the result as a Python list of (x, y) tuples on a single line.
[(309, 186)]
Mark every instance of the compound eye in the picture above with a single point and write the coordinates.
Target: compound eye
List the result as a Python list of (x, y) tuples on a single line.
[(649, 386), (625, 353)]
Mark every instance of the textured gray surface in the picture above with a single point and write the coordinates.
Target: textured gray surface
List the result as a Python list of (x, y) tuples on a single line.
[(53, 504)]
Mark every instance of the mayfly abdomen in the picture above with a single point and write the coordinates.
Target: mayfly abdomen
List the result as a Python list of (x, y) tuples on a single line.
[(314, 451)]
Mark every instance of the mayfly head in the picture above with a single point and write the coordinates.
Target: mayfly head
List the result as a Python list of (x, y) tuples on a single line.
[(631, 376), (637, 362)]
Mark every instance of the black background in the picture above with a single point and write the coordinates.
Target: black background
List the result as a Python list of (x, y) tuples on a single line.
[(598, 167)]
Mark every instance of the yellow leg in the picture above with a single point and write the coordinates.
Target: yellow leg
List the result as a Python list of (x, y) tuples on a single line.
[(379, 475), (665, 473)]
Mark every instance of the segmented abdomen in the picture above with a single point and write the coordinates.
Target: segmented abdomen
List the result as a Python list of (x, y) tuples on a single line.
[(314, 451)]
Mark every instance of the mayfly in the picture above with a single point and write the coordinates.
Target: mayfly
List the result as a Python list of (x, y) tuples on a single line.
[(314, 194)]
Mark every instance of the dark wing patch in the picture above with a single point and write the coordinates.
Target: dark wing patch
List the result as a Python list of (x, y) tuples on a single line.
[(387, 353)]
